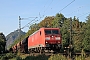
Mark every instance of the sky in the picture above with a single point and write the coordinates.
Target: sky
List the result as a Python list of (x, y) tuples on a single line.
[(32, 10)]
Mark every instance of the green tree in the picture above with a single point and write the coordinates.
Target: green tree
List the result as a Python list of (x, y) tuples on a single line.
[(76, 34), (65, 32), (58, 20), (2, 43), (47, 22), (86, 40)]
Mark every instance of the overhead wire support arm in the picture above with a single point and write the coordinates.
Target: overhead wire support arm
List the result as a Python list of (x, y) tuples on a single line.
[(27, 18), (25, 25), (24, 19)]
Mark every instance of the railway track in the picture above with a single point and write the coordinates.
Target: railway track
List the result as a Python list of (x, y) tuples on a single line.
[(36, 54), (47, 53)]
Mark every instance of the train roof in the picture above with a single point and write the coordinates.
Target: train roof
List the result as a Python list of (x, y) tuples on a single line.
[(49, 28), (34, 32), (42, 28)]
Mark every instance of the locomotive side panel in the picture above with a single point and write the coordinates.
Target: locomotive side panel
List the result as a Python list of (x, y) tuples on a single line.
[(37, 39)]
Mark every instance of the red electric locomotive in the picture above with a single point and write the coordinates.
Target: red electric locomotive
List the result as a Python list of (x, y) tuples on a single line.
[(47, 38), (43, 39)]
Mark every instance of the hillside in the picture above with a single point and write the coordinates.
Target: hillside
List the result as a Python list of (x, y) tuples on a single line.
[(12, 37)]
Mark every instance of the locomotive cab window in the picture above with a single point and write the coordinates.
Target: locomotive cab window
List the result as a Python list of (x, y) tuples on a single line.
[(51, 32), (47, 31), (55, 32)]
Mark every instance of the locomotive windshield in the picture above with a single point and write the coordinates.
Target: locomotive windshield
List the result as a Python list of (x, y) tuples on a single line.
[(51, 32), (55, 32)]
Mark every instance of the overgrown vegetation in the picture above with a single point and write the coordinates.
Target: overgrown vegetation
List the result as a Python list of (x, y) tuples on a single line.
[(9, 56), (13, 56), (57, 57)]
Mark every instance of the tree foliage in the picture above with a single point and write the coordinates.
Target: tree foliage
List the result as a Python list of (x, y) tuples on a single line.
[(58, 20), (86, 39), (2, 43), (47, 22)]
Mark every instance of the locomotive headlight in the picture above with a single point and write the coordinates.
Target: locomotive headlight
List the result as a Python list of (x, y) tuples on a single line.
[(47, 38), (57, 38), (46, 42)]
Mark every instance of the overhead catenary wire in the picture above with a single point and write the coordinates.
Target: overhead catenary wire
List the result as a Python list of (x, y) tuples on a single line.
[(59, 11), (45, 11), (78, 10), (83, 14), (51, 8), (75, 10), (48, 6), (66, 6), (30, 23)]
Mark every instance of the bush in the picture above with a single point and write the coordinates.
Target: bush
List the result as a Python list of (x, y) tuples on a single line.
[(30, 58), (39, 57), (3, 58), (7, 56), (79, 58), (57, 57), (17, 58), (10, 56)]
